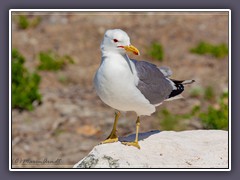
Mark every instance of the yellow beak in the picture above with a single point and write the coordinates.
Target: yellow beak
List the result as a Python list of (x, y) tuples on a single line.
[(132, 49)]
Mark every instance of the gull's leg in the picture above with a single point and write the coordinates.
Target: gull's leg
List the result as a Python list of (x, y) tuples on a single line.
[(134, 143), (113, 135)]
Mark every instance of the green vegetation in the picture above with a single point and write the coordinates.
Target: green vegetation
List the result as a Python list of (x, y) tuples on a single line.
[(25, 22), (216, 117), (218, 51), (24, 84), (52, 61), (172, 121), (209, 93), (196, 92), (156, 51)]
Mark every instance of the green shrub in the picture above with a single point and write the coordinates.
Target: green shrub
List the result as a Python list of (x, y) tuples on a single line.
[(52, 61), (218, 51), (216, 117), (24, 84), (25, 22), (156, 51)]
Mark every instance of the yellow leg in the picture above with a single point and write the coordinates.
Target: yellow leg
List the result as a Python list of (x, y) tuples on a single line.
[(134, 143), (113, 135)]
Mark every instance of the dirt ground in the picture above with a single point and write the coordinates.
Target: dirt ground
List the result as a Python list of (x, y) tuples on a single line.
[(72, 119)]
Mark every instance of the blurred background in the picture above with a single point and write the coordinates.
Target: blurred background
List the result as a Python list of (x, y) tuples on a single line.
[(56, 113)]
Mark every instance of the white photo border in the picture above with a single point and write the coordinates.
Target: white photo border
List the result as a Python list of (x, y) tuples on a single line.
[(121, 10)]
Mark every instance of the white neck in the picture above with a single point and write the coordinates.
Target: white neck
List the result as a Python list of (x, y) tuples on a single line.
[(117, 57)]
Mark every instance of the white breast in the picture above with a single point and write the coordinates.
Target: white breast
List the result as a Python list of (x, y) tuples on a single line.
[(115, 83)]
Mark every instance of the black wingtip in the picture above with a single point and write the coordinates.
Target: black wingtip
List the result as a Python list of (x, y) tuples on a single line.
[(179, 87), (179, 90)]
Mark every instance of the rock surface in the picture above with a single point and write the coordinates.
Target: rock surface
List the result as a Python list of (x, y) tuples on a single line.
[(167, 149)]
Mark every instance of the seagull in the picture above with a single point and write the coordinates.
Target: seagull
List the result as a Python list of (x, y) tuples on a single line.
[(129, 85)]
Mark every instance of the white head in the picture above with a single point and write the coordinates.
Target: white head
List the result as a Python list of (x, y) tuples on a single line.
[(116, 40)]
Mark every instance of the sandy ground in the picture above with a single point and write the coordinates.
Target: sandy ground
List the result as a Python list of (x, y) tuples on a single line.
[(71, 119)]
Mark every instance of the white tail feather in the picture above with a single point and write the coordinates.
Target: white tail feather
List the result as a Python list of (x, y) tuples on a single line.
[(187, 82)]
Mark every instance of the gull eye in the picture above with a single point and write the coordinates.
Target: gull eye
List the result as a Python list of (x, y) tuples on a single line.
[(115, 40)]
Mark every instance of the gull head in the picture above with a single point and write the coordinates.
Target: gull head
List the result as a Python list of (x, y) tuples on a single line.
[(117, 41)]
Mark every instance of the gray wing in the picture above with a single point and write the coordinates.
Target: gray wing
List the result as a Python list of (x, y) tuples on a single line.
[(152, 82)]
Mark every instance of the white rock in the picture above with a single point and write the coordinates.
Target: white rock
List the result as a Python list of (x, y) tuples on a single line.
[(167, 149)]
